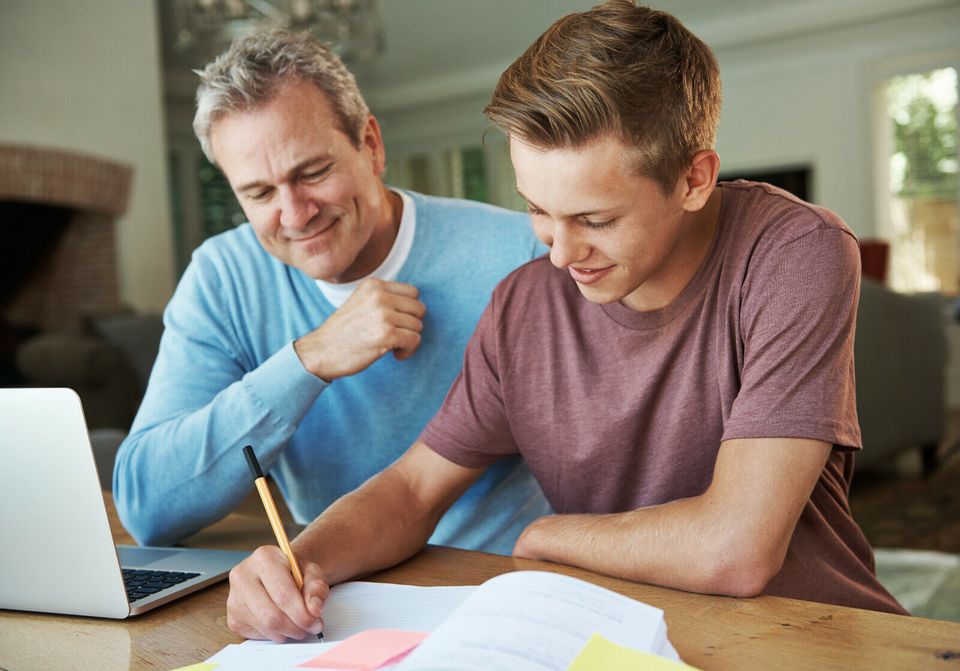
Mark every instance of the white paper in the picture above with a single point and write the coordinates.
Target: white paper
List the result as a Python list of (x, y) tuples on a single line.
[(351, 608), (513, 622), (357, 606), (536, 620)]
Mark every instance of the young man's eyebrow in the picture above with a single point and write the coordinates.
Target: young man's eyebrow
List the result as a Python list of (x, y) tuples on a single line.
[(570, 216)]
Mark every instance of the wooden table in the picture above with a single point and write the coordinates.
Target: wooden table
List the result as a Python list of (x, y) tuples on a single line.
[(709, 632)]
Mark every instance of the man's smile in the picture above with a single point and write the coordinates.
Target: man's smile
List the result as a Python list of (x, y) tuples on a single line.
[(588, 275)]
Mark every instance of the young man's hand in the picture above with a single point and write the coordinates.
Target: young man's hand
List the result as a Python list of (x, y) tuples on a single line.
[(264, 601)]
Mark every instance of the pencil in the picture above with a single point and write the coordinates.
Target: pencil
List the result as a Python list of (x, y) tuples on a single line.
[(261, 482)]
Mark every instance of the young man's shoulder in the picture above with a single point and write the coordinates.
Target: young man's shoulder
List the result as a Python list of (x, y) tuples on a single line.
[(776, 216), (536, 285)]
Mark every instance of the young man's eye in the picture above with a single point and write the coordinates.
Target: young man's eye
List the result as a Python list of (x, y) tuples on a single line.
[(534, 211), (259, 196), (592, 223)]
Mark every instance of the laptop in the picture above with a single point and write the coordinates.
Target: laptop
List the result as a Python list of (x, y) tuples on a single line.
[(57, 554)]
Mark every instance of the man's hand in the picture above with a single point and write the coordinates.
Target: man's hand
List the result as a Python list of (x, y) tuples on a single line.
[(378, 318), (264, 601)]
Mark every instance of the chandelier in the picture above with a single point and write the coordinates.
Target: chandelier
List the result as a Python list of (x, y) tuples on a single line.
[(353, 29)]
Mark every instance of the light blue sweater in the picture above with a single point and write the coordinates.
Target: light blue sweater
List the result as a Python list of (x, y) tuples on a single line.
[(227, 376)]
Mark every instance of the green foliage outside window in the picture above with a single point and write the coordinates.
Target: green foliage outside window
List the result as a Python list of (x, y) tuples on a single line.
[(922, 108), (219, 209)]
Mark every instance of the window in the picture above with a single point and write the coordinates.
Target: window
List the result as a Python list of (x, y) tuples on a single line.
[(219, 209), (202, 204), (475, 172), (918, 200)]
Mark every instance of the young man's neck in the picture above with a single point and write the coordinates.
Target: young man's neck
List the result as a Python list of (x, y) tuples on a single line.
[(689, 256)]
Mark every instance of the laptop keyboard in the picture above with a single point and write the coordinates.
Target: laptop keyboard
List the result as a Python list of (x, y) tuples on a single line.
[(141, 582)]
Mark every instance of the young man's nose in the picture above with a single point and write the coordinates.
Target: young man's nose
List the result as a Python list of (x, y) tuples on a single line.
[(566, 247), (296, 210)]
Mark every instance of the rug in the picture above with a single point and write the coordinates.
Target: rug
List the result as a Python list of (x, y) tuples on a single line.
[(926, 583)]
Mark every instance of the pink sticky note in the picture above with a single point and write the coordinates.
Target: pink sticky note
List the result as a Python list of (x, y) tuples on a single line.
[(367, 650)]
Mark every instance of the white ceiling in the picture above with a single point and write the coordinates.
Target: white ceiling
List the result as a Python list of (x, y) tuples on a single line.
[(456, 46)]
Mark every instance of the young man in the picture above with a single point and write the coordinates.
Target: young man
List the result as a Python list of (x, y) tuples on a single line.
[(678, 374), (279, 331)]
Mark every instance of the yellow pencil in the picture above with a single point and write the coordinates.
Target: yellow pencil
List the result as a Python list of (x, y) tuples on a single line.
[(272, 513), (274, 516)]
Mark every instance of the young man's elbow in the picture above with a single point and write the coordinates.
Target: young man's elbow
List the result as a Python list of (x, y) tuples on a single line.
[(742, 574)]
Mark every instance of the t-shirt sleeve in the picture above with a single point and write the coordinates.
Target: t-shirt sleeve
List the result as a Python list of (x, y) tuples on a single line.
[(471, 427), (797, 321)]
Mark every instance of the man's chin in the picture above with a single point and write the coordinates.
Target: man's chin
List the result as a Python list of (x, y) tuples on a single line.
[(597, 295), (319, 270)]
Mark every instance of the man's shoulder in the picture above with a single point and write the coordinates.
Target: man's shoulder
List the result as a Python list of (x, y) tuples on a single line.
[(240, 240), (236, 248), (440, 210), (492, 240), (233, 258)]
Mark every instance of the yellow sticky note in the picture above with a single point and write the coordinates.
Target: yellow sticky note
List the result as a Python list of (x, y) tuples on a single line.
[(599, 654), (202, 666)]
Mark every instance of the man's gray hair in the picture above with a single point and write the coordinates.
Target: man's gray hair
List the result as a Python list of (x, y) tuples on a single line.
[(248, 73)]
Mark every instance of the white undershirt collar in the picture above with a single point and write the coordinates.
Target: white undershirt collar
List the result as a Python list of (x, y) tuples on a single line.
[(338, 294)]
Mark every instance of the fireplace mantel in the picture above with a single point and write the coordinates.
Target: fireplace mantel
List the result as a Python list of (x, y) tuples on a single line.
[(79, 277), (64, 178)]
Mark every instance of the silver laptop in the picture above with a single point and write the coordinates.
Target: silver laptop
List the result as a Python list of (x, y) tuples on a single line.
[(57, 554)]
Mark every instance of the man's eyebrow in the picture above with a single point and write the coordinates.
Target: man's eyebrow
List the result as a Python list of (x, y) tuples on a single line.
[(570, 216), (299, 167)]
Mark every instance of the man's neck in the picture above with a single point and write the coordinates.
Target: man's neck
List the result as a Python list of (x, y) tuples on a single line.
[(383, 236)]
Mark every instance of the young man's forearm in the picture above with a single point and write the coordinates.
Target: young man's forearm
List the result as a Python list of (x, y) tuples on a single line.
[(376, 526), (388, 519), (678, 545), (729, 540)]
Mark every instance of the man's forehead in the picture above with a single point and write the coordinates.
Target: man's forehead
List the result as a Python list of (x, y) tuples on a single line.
[(272, 136)]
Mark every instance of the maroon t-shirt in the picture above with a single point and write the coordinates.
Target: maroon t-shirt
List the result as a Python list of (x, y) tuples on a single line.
[(614, 409)]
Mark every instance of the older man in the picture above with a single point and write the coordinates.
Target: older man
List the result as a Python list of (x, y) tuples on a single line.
[(327, 330)]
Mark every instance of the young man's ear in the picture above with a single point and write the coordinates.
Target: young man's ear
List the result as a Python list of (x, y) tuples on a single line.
[(699, 179)]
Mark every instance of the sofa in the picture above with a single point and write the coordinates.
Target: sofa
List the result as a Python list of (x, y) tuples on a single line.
[(901, 356), (107, 363)]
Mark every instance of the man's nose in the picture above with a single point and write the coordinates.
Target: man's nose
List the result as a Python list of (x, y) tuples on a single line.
[(566, 247), (296, 209)]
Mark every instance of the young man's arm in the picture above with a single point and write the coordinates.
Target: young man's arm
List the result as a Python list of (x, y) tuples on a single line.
[(380, 524), (732, 539)]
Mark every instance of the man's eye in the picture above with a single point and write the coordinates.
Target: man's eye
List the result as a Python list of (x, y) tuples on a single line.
[(534, 211), (259, 195), (590, 223), (315, 174)]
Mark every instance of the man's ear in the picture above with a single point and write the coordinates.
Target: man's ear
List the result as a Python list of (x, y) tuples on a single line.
[(699, 179), (372, 142)]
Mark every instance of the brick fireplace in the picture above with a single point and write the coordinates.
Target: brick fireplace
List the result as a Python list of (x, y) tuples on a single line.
[(78, 199)]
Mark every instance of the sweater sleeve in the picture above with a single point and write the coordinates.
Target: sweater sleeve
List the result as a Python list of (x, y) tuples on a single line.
[(181, 467)]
